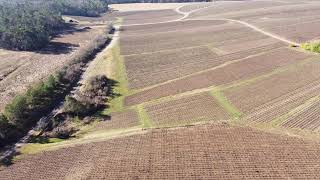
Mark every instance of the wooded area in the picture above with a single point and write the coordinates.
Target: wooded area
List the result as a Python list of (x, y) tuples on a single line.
[(29, 25)]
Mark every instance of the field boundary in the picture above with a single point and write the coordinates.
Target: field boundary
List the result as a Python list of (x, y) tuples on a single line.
[(144, 118), (222, 100), (253, 27), (205, 70)]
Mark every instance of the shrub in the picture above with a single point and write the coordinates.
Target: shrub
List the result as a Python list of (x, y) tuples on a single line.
[(74, 106), (8, 132), (312, 46)]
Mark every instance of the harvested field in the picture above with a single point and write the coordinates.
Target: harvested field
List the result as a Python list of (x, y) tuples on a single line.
[(206, 152), (187, 110), (19, 70), (274, 93), (119, 120), (239, 70)]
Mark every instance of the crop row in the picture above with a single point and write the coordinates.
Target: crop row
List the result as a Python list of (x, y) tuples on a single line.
[(119, 120), (141, 17), (206, 152), (187, 110), (186, 38), (247, 68), (266, 99)]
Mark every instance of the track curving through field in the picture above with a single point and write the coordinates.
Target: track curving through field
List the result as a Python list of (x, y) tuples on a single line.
[(186, 15)]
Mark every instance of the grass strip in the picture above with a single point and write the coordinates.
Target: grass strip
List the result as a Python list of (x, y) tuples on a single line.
[(226, 104), (119, 74), (144, 117)]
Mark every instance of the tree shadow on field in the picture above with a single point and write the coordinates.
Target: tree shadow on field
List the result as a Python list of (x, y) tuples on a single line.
[(56, 47), (111, 95), (8, 160), (112, 85)]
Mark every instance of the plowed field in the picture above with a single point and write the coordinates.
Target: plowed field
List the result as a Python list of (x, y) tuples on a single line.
[(206, 152), (184, 111)]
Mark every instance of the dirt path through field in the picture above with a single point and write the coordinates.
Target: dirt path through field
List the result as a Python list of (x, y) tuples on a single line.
[(254, 28), (251, 26)]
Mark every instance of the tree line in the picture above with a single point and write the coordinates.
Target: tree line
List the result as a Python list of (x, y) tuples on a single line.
[(29, 25), (26, 109)]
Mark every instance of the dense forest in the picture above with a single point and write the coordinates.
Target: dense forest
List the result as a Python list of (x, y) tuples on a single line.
[(29, 25)]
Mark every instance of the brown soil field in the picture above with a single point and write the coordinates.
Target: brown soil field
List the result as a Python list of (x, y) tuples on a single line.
[(19, 70), (205, 152), (129, 7), (187, 110), (247, 68), (307, 119), (300, 32), (179, 63), (146, 70), (194, 6), (261, 94), (224, 8), (195, 94), (218, 34), (169, 27), (119, 120), (279, 108), (142, 17), (289, 20), (181, 56)]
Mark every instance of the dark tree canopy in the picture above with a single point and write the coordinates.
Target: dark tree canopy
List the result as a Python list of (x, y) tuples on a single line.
[(29, 25)]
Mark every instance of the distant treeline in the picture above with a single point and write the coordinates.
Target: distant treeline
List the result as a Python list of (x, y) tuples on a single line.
[(29, 25)]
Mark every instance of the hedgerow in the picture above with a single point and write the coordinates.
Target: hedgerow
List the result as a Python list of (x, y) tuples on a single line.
[(26, 109)]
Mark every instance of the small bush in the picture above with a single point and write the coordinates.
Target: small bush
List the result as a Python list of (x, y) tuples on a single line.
[(73, 106), (62, 132), (8, 132), (312, 46)]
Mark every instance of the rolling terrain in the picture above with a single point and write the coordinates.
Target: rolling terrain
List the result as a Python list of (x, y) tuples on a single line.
[(206, 91)]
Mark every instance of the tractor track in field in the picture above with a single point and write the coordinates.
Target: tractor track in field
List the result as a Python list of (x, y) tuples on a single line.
[(187, 14)]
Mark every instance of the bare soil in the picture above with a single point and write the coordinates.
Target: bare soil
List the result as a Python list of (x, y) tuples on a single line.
[(119, 120), (291, 87), (308, 119), (188, 110), (206, 152), (247, 68)]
